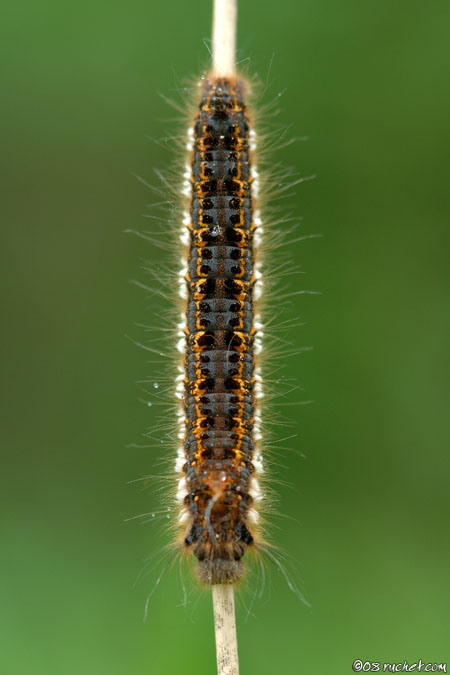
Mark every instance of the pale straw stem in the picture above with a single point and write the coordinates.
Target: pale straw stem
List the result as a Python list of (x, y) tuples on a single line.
[(225, 628), (223, 57), (224, 37)]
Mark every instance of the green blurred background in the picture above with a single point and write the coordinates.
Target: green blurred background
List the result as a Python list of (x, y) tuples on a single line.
[(367, 83)]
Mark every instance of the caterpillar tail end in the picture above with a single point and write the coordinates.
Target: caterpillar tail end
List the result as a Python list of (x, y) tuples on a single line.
[(220, 571)]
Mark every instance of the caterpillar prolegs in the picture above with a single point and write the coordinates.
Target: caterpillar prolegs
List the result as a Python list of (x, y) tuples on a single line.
[(219, 385)]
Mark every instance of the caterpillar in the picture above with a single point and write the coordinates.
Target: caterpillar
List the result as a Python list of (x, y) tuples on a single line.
[(219, 388), (221, 337)]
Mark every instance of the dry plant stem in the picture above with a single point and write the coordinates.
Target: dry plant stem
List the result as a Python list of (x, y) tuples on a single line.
[(223, 57), (224, 37), (225, 627)]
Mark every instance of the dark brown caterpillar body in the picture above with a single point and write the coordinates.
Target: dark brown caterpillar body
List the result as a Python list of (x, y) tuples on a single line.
[(219, 395)]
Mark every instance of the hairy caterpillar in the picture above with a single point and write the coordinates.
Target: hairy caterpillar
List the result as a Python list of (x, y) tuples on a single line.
[(220, 384)]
